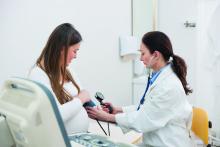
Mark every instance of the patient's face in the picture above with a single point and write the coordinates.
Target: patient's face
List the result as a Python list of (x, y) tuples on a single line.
[(72, 53)]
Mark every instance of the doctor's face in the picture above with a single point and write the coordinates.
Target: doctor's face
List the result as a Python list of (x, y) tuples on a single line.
[(146, 56)]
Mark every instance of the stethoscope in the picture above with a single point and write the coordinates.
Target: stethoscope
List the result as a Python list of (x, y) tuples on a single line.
[(150, 80)]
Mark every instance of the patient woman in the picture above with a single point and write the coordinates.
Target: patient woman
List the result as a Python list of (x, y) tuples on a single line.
[(51, 70)]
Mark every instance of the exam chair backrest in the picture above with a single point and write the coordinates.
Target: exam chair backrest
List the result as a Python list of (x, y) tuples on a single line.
[(32, 114), (200, 124)]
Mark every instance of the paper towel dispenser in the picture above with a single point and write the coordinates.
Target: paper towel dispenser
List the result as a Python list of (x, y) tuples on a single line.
[(129, 46)]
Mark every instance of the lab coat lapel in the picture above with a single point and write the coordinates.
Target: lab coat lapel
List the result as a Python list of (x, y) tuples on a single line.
[(166, 72)]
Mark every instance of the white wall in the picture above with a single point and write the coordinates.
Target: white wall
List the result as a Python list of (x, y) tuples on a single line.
[(142, 17), (26, 24)]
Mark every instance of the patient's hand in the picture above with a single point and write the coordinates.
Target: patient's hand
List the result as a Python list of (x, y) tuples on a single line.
[(84, 96)]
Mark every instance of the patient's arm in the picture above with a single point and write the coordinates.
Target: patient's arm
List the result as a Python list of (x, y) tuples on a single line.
[(70, 109)]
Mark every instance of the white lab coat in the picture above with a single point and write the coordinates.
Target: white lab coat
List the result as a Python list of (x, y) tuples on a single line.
[(165, 117)]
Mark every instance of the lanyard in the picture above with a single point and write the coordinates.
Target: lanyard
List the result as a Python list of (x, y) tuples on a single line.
[(150, 81)]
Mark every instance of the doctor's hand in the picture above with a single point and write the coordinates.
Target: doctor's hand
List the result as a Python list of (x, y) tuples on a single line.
[(84, 96), (99, 114), (115, 110)]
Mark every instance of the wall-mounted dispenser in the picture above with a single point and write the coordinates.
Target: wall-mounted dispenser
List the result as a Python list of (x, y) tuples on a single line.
[(138, 67), (129, 46)]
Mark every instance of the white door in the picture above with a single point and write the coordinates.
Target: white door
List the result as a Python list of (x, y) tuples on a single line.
[(191, 44), (172, 14)]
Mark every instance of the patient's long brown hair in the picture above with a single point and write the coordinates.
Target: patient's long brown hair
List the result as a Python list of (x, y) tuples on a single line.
[(61, 38)]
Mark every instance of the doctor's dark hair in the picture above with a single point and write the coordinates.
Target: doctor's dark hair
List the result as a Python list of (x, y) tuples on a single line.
[(158, 41), (62, 37)]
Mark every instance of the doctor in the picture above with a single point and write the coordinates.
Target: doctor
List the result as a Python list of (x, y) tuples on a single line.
[(163, 114)]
